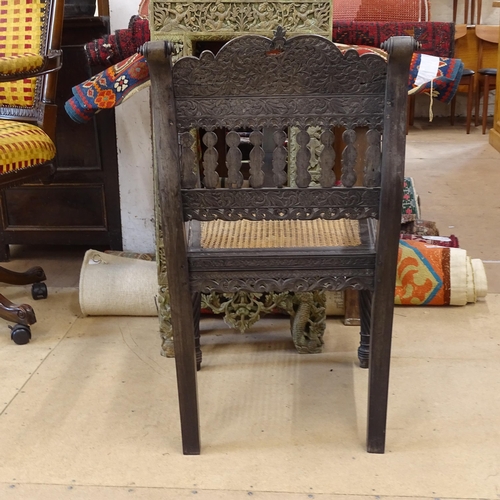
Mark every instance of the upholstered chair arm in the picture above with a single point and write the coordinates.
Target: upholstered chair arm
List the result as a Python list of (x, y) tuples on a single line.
[(22, 66)]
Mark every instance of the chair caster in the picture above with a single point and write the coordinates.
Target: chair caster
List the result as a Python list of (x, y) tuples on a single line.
[(39, 291), (20, 334)]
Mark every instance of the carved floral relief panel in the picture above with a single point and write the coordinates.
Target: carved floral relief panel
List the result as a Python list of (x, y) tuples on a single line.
[(183, 23), (208, 19)]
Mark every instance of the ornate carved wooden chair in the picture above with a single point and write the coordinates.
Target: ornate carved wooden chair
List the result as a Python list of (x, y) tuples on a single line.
[(29, 57), (315, 236)]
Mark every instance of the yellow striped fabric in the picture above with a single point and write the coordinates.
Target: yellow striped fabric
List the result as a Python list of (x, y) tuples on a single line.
[(23, 145), (21, 63), (21, 23)]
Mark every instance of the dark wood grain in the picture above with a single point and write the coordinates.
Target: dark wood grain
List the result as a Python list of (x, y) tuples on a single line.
[(169, 190), (248, 85), (393, 162), (81, 204)]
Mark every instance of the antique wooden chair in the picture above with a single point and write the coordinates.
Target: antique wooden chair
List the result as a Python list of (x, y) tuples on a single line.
[(315, 236), (467, 80), (487, 35), (29, 58)]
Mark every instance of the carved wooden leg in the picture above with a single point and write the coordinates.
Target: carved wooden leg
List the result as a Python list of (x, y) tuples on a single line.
[(22, 314), (196, 321), (365, 305), (164, 317), (167, 346), (380, 358), (309, 322), (179, 343), (32, 275), (185, 365)]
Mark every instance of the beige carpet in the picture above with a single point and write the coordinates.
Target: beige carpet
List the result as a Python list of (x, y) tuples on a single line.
[(89, 408)]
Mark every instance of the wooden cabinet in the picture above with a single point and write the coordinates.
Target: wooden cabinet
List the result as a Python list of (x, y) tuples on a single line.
[(495, 131), (81, 205)]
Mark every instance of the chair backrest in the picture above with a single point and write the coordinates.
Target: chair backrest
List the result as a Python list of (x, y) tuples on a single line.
[(30, 27), (486, 34), (460, 31), (469, 4), (287, 86)]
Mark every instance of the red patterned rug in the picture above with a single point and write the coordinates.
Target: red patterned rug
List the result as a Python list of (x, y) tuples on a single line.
[(437, 39), (381, 10), (112, 49)]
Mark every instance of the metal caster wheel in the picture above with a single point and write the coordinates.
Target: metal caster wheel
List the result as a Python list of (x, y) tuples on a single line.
[(39, 291), (20, 334)]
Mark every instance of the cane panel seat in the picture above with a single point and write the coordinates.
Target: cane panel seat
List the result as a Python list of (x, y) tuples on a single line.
[(247, 234)]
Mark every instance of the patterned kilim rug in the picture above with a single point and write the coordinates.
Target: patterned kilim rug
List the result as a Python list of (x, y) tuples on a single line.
[(410, 210), (444, 86), (107, 89), (434, 275)]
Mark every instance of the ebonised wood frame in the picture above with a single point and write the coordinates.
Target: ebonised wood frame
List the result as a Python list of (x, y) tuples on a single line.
[(255, 82)]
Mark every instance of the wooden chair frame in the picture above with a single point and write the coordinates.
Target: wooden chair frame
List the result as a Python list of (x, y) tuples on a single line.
[(226, 91), (42, 113), (485, 34)]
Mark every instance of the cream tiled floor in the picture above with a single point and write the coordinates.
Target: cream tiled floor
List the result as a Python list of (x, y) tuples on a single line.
[(89, 408)]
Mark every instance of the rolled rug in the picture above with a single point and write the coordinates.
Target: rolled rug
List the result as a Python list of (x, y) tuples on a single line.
[(107, 89), (435, 275), (117, 286)]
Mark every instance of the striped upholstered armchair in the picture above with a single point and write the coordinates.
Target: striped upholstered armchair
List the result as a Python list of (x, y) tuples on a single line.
[(29, 59)]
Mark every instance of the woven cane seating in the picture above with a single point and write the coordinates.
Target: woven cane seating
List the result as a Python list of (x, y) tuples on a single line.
[(299, 86), (29, 59)]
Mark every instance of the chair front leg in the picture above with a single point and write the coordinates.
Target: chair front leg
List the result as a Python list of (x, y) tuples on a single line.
[(365, 307), (196, 320)]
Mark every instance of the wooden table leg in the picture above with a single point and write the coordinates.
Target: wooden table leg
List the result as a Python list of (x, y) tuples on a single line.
[(351, 317)]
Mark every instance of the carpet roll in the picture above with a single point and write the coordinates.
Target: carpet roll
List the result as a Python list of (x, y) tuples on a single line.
[(117, 286), (434, 275), (112, 285)]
